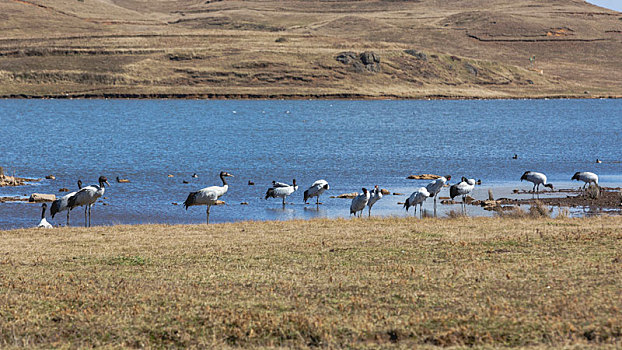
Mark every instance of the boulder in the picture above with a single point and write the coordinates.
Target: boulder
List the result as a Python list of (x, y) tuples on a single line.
[(417, 54), (219, 202), (51, 177), (384, 192), (42, 197), (347, 57)]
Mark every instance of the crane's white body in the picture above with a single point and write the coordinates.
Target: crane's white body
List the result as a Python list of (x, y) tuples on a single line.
[(537, 179), (44, 223), (463, 188), (281, 190), (417, 197), (86, 197), (208, 195), (359, 202), (316, 190), (435, 186), (374, 196), (587, 177)]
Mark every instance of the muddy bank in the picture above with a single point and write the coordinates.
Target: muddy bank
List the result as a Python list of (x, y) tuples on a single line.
[(609, 198)]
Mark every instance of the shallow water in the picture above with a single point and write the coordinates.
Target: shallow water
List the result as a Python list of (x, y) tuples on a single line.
[(351, 144)]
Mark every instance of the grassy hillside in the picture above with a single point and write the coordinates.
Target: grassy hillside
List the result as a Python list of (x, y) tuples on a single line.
[(475, 48), (358, 283)]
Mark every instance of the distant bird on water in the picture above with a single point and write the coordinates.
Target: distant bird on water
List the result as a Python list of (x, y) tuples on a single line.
[(587, 177), (87, 196), (316, 190), (374, 196), (463, 188), (44, 223), (62, 203), (359, 202), (208, 195), (537, 179), (122, 180), (417, 197), (281, 190)]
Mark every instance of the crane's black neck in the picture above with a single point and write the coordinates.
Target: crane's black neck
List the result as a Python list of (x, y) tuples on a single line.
[(43, 207), (224, 179)]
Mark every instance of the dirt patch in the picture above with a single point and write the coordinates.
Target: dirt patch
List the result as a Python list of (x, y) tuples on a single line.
[(609, 198)]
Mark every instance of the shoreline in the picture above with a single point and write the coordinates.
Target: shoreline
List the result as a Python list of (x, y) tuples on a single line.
[(342, 96)]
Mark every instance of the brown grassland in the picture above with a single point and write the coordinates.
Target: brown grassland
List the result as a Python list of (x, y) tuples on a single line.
[(288, 49), (361, 283)]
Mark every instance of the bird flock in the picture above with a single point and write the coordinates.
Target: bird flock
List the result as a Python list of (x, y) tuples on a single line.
[(209, 196)]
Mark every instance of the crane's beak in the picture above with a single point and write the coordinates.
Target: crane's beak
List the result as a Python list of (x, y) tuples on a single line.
[(229, 175), (107, 183)]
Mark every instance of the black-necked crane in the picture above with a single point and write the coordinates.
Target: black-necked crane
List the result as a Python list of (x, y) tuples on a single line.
[(281, 190), (463, 188), (316, 190), (62, 204), (417, 197), (587, 177), (374, 196), (87, 196), (359, 202), (436, 186), (44, 223), (537, 179), (208, 195)]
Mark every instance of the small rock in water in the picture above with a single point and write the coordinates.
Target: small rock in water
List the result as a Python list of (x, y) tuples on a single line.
[(244, 203), (170, 175), (423, 177), (186, 182), (397, 194), (175, 203), (51, 177), (346, 195), (219, 202), (63, 190), (385, 191), (42, 197)]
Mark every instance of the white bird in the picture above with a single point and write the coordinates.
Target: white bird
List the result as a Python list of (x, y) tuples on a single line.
[(44, 223), (462, 189), (279, 184), (359, 202), (280, 191), (537, 179), (417, 197), (586, 177), (316, 190), (208, 195), (62, 203), (375, 195), (436, 186), (87, 196)]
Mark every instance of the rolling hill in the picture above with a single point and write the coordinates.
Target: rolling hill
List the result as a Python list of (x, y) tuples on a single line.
[(309, 49)]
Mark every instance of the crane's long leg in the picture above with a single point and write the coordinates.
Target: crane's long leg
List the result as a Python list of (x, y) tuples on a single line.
[(207, 212), (283, 202), (90, 207), (435, 204), (68, 211), (317, 201), (369, 213), (86, 208)]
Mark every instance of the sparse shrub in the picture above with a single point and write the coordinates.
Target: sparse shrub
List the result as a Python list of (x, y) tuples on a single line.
[(564, 213), (281, 40), (515, 213), (456, 214), (539, 210), (592, 192)]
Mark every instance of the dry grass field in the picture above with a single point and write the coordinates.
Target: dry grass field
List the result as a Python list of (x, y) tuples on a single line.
[(289, 49), (361, 283)]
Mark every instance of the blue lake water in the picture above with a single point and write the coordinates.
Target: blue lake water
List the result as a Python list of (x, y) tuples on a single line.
[(351, 144)]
